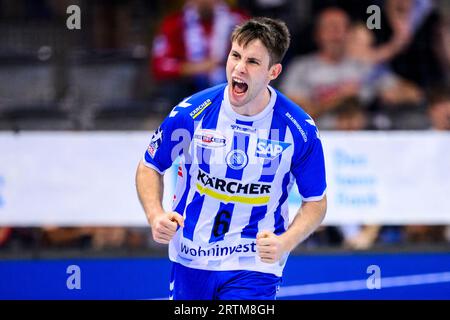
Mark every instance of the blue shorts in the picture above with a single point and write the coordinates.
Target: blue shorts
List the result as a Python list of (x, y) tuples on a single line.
[(195, 284)]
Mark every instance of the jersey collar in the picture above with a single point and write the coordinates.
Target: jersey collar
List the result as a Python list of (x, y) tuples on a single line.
[(234, 115)]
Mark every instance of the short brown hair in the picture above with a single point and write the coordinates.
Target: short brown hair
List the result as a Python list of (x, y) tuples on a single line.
[(273, 33)]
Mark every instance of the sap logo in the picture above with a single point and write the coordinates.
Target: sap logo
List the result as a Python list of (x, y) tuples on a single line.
[(270, 149)]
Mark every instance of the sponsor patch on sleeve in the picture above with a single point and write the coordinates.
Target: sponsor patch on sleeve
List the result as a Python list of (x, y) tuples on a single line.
[(155, 142)]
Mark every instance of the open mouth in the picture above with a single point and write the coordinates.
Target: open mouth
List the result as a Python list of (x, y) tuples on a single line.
[(239, 86)]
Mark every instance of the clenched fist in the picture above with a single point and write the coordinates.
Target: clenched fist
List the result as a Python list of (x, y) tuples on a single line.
[(165, 225), (269, 247)]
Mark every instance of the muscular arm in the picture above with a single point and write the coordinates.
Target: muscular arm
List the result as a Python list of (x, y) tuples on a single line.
[(308, 219), (271, 247), (149, 186)]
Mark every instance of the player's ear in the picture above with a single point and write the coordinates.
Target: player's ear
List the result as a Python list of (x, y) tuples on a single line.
[(275, 71)]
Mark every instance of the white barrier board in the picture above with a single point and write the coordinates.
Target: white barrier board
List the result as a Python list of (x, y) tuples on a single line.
[(87, 178)]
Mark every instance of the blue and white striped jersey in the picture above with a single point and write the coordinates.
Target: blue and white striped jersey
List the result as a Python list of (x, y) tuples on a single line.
[(235, 175)]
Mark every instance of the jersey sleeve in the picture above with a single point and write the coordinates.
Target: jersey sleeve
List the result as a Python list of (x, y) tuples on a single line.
[(169, 141), (309, 168)]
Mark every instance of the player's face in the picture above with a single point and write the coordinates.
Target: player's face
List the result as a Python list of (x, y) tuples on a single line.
[(248, 72)]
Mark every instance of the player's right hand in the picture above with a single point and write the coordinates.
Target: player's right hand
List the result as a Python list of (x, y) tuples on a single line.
[(165, 225)]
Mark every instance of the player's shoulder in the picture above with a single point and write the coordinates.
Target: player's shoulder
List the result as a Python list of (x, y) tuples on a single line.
[(294, 116), (193, 107)]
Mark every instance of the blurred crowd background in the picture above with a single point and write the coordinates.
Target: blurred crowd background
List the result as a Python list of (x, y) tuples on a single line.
[(133, 60)]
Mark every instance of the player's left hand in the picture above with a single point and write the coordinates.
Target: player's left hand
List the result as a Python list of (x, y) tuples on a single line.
[(269, 246)]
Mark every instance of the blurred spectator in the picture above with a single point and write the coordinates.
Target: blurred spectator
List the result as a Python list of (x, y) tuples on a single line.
[(5, 234), (361, 237), (12, 238), (425, 234), (111, 24), (350, 116), (108, 237), (66, 237), (392, 89), (295, 13), (191, 47), (320, 81), (324, 236), (139, 237), (439, 108), (277, 9), (96, 238), (419, 61)]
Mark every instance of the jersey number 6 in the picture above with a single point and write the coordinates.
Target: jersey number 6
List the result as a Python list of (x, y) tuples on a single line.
[(221, 224)]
